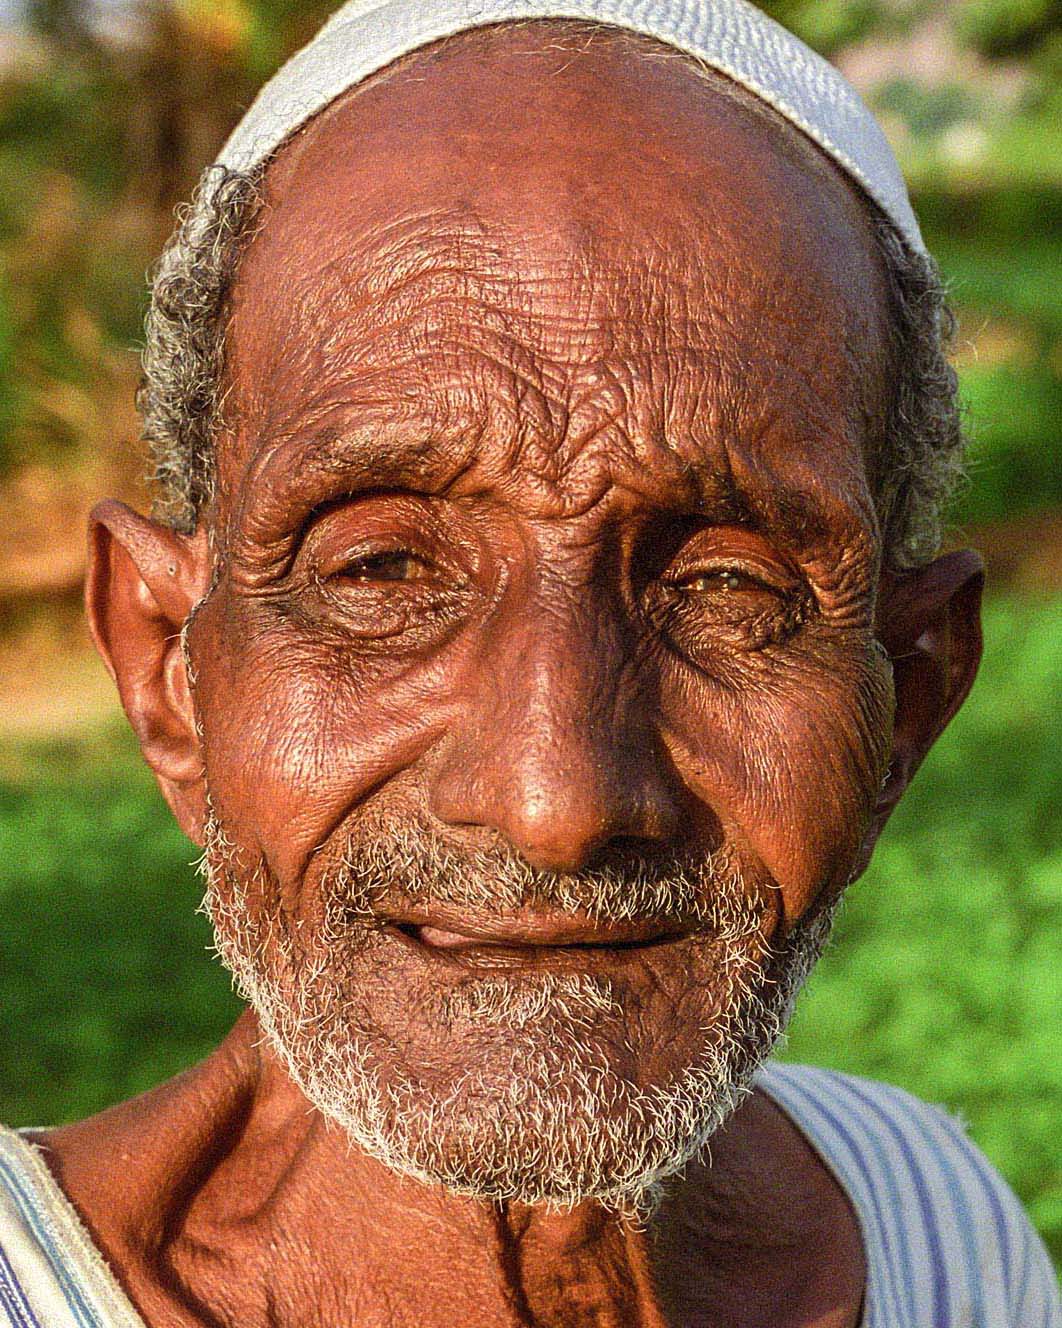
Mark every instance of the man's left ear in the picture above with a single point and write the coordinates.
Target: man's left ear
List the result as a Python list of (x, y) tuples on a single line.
[(929, 621), (143, 582)]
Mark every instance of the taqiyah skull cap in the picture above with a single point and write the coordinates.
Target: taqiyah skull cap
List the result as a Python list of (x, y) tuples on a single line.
[(731, 36)]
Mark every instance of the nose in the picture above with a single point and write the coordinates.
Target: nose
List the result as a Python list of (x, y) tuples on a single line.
[(557, 749)]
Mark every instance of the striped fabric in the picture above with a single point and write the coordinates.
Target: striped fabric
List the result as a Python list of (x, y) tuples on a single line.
[(947, 1244), (51, 1275)]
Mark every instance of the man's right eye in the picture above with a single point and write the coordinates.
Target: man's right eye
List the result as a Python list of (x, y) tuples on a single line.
[(389, 565)]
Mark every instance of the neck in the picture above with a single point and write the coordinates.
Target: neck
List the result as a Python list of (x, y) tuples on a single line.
[(295, 1182), (239, 1205), (232, 1189), (584, 1266)]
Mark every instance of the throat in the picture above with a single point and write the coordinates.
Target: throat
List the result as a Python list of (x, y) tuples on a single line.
[(582, 1265)]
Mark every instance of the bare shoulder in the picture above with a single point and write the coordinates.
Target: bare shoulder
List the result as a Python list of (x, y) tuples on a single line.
[(121, 1167), (760, 1220)]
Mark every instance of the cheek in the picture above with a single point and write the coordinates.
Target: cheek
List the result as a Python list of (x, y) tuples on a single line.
[(298, 731), (790, 761)]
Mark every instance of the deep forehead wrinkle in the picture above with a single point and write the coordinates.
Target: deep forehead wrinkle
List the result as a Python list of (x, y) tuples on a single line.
[(574, 315), (545, 377), (442, 315), (554, 290), (553, 283)]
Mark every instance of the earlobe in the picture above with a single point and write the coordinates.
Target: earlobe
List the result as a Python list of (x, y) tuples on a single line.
[(143, 582), (929, 622)]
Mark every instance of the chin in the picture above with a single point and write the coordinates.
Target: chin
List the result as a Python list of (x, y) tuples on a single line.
[(542, 1088), (543, 1116)]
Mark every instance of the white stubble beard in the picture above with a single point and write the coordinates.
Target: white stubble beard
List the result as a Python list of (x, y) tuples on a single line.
[(553, 1123)]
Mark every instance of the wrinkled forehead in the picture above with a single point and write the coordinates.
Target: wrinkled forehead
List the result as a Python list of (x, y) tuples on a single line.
[(524, 240)]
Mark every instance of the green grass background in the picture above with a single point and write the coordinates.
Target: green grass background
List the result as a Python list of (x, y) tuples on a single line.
[(944, 976)]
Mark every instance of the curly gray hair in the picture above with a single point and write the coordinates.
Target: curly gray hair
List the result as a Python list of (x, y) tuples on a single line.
[(918, 469)]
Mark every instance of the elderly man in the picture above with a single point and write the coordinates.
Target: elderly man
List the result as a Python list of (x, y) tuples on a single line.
[(541, 618)]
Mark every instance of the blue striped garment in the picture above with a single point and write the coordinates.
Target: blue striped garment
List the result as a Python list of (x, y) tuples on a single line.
[(947, 1244)]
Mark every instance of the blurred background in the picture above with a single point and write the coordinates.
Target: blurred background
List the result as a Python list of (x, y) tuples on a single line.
[(946, 976)]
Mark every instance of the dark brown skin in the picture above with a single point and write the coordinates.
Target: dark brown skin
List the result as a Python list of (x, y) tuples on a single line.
[(608, 364)]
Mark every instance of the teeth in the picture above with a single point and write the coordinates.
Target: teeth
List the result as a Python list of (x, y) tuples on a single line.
[(445, 940)]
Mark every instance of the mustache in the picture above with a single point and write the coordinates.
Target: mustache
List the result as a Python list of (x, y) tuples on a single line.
[(406, 861)]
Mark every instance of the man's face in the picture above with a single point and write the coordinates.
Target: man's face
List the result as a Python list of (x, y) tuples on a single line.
[(540, 703)]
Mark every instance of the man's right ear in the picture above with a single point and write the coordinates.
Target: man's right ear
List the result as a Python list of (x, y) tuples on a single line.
[(143, 582)]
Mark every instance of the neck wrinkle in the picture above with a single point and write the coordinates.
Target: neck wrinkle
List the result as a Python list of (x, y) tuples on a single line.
[(585, 1264), (509, 1268)]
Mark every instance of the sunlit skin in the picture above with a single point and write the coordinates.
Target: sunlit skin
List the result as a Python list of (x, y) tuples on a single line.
[(555, 380)]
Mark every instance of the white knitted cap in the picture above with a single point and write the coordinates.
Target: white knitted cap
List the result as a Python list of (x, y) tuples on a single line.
[(731, 36)]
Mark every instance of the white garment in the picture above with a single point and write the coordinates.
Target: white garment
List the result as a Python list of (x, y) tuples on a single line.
[(731, 36), (946, 1242), (51, 1274)]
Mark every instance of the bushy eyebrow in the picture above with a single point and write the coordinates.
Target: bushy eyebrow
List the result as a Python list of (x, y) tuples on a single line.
[(299, 473)]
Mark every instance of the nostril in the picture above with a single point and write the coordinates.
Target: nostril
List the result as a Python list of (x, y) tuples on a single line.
[(562, 796), (628, 848)]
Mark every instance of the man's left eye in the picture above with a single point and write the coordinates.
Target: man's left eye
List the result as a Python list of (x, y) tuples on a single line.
[(727, 579), (705, 609), (390, 565)]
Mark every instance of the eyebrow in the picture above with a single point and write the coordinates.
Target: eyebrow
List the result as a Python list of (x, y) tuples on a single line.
[(796, 517), (303, 472), (376, 455), (799, 514)]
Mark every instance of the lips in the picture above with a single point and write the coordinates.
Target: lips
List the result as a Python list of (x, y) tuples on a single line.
[(534, 932)]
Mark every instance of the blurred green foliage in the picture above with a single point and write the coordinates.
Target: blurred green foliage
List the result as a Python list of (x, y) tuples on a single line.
[(996, 28), (944, 978), (1012, 27), (105, 983)]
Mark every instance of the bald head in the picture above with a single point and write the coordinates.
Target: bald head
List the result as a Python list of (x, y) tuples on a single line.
[(553, 119)]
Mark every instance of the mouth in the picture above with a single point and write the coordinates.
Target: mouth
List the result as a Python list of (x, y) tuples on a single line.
[(533, 940)]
